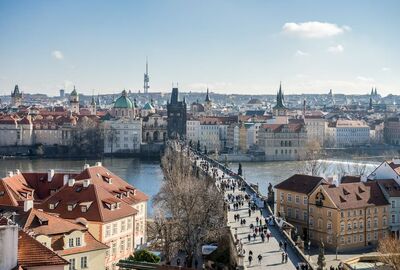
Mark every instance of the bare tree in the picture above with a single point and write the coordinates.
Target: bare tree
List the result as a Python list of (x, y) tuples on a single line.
[(389, 248), (192, 204), (311, 164)]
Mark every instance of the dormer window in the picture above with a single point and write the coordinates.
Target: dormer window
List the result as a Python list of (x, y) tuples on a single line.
[(78, 241), (83, 209), (71, 206), (53, 205), (71, 242)]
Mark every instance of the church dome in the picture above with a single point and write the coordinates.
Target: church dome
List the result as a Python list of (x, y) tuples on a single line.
[(123, 102), (74, 93)]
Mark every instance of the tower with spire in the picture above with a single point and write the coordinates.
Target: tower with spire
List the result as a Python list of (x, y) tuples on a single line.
[(207, 103), (280, 108), (74, 101), (146, 79), (176, 111), (16, 97), (93, 106)]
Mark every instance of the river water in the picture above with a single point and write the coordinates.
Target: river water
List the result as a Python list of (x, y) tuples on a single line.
[(147, 175)]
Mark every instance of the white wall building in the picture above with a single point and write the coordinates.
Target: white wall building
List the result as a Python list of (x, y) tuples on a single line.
[(345, 133)]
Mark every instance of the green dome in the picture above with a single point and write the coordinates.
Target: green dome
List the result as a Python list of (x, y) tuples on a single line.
[(123, 102), (74, 93)]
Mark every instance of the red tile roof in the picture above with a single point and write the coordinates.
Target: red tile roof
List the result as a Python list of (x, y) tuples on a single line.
[(119, 187), (31, 253), (98, 210), (300, 183), (356, 195)]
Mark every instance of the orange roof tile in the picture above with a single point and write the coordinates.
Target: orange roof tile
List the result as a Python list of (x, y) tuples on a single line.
[(31, 253)]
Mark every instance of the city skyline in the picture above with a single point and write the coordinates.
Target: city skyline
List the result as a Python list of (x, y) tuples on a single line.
[(229, 47)]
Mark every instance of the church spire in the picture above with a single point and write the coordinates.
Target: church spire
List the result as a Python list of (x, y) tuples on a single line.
[(280, 99), (207, 96)]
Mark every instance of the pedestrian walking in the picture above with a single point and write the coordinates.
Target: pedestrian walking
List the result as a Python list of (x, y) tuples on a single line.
[(249, 212), (286, 257), (254, 236), (250, 259), (259, 258), (283, 257), (285, 246), (249, 237), (268, 236)]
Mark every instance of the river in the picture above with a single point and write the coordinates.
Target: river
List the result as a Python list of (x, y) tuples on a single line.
[(147, 175)]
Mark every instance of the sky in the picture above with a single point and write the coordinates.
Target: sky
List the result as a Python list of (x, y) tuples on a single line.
[(237, 46)]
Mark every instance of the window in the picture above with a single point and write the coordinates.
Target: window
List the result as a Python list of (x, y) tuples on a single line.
[(375, 222), (78, 241), (329, 226), (384, 221), (375, 235), (368, 224), (72, 264), (311, 222), (297, 199), (305, 215), (393, 218), (368, 236), (349, 239), (108, 230), (122, 225), (349, 226), (128, 243), (129, 226), (342, 239), (71, 242), (289, 212), (375, 210), (355, 225), (342, 214), (289, 197), (122, 246), (84, 262), (329, 213), (114, 248), (115, 228), (342, 227), (393, 204), (361, 237), (305, 200)]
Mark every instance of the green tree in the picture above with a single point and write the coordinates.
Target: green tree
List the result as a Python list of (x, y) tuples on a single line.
[(144, 255)]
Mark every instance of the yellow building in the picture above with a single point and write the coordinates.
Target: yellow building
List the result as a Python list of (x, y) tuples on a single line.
[(348, 215), (292, 196), (345, 216)]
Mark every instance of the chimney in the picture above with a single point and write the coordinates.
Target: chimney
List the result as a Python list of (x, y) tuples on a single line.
[(363, 178), (28, 205), (9, 239), (10, 174), (86, 183), (98, 164), (71, 182), (335, 180), (65, 179), (86, 166), (50, 175), (17, 172)]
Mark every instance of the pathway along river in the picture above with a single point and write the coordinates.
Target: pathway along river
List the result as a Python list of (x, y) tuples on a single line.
[(147, 175)]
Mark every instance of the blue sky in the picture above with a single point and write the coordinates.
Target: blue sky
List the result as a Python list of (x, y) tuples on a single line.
[(229, 46)]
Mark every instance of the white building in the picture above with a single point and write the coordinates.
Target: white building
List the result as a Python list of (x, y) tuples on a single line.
[(344, 133), (122, 129)]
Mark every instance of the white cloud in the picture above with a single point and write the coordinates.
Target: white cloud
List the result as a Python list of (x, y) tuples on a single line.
[(365, 79), (57, 55), (301, 53), (314, 29), (336, 49), (386, 69)]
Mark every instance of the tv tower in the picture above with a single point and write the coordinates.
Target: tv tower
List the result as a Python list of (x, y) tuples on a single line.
[(146, 79)]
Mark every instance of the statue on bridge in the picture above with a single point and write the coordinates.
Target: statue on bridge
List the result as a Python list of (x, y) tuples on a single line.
[(240, 169), (271, 196)]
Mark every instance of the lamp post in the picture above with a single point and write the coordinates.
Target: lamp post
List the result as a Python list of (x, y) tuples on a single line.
[(337, 246)]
